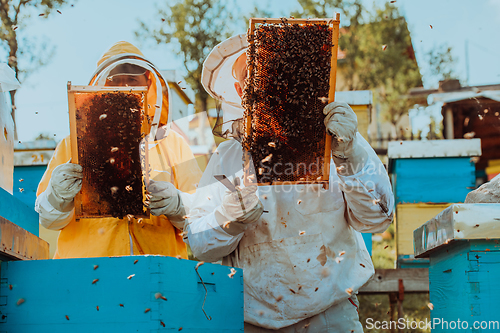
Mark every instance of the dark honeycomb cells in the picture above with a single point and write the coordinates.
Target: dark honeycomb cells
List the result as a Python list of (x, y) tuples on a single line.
[(284, 98), (109, 136)]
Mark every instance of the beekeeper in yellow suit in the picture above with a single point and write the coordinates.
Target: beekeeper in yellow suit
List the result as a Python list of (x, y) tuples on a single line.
[(172, 168)]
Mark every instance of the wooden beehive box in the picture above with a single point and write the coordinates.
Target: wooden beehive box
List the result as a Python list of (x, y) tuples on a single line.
[(408, 218), (292, 66), (463, 245), (120, 294), (108, 126), (427, 176), (437, 171)]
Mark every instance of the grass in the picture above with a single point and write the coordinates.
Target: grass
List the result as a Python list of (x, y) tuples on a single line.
[(377, 307)]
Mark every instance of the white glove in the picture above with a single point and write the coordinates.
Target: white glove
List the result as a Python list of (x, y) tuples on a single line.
[(165, 200), (342, 124), (239, 209), (64, 184)]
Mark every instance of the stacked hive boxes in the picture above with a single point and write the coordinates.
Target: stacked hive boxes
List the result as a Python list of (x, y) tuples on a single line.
[(427, 176), (463, 246), (120, 294)]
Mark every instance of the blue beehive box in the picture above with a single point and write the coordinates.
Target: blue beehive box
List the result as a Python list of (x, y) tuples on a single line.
[(17, 212), (120, 294), (437, 171), (463, 245), (427, 175)]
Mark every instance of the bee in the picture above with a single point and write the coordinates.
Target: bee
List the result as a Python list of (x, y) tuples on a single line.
[(94, 281), (159, 295), (130, 277)]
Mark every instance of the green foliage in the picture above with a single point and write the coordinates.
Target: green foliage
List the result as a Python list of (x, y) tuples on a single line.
[(351, 10), (379, 53), (377, 307), (14, 16), (194, 27), (24, 55), (257, 12), (442, 63)]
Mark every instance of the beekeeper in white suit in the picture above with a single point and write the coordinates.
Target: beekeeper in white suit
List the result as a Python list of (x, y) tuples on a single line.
[(304, 258)]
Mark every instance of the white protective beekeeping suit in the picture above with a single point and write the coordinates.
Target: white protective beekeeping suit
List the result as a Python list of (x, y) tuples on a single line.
[(306, 254), (8, 82)]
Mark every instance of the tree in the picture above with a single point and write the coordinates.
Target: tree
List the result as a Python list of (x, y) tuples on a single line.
[(442, 63), (195, 27), (23, 55), (379, 53), (257, 12)]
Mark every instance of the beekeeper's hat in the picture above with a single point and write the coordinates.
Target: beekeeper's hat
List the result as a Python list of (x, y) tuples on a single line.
[(217, 78)]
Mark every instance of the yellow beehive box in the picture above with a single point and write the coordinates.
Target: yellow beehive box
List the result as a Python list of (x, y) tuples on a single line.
[(361, 103), (410, 217)]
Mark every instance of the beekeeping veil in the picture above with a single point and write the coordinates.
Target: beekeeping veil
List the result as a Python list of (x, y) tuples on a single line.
[(158, 91), (218, 81)]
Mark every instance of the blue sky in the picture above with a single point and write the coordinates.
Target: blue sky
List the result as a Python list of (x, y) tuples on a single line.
[(84, 32)]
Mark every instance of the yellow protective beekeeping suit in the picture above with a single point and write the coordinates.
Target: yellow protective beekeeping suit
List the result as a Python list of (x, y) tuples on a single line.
[(170, 160)]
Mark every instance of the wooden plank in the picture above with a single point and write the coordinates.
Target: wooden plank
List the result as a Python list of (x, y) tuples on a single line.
[(19, 244), (265, 20), (415, 280)]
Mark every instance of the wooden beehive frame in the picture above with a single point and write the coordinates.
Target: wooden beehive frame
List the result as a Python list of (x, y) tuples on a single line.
[(334, 24), (145, 128)]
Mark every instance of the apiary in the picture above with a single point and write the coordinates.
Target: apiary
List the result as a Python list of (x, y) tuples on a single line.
[(291, 77), (462, 244), (108, 125), (427, 176), (120, 294)]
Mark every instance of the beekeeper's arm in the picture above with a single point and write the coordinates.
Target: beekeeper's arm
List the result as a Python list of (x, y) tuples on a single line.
[(219, 218), (362, 176), (174, 199), (59, 185)]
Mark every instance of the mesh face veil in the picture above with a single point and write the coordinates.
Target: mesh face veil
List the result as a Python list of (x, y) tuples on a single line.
[(136, 65), (218, 80)]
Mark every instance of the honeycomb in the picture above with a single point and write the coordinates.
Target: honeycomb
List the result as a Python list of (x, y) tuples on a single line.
[(285, 93), (108, 130)]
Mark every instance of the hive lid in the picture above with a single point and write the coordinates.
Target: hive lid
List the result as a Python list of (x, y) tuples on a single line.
[(458, 221), (434, 148)]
